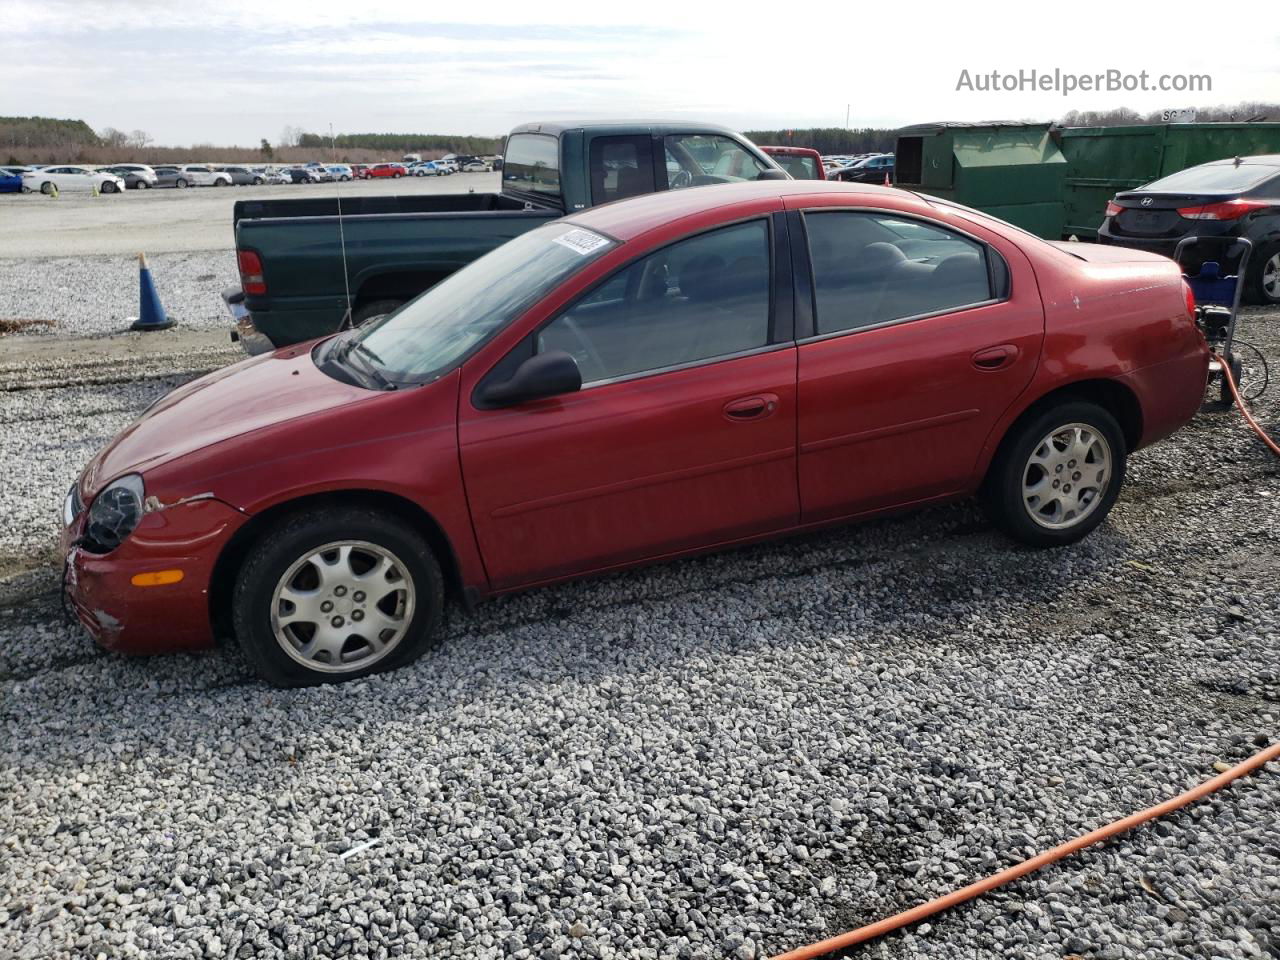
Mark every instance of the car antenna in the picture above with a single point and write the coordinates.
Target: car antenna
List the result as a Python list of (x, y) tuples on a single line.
[(342, 235)]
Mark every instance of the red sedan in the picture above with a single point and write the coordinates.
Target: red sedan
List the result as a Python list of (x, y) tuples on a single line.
[(649, 378)]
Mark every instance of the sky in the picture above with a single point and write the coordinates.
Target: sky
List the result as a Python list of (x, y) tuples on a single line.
[(234, 72)]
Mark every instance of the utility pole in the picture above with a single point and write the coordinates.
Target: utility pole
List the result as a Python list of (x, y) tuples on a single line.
[(846, 115)]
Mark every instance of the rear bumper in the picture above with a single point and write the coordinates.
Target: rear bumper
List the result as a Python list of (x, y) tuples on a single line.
[(244, 331), (154, 619), (1170, 393)]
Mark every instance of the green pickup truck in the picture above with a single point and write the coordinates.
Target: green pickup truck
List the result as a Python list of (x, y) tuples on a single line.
[(303, 261)]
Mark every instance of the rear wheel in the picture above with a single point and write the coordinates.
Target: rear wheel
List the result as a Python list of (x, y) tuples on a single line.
[(1264, 275), (180, 184), (142, 185), (333, 596), (375, 308), (108, 187), (1057, 474)]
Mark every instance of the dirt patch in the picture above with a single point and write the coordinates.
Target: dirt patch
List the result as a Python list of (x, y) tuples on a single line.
[(22, 325)]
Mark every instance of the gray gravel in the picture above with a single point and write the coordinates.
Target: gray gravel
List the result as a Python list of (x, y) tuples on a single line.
[(723, 757), (76, 296)]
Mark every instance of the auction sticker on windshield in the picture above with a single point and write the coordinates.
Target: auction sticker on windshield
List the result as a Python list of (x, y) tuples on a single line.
[(581, 241)]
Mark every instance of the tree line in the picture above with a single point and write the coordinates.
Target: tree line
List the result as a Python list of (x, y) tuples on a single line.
[(402, 143)]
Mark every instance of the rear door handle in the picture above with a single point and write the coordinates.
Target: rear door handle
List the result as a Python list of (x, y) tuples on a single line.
[(751, 408), (995, 358)]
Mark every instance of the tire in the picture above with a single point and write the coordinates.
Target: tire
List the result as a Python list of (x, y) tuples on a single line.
[(287, 560), (1263, 284), (108, 187), (374, 308), (396, 176), (1016, 471), (46, 188), (258, 181), (180, 184), (141, 185)]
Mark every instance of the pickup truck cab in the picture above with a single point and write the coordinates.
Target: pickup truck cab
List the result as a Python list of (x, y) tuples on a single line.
[(803, 163), (291, 251)]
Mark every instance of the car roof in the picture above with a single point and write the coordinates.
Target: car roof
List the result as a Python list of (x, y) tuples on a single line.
[(557, 127), (789, 151), (628, 219)]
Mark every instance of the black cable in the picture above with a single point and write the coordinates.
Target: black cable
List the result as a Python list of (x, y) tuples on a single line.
[(1266, 371)]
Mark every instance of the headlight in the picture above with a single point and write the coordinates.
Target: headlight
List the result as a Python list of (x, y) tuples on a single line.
[(115, 512)]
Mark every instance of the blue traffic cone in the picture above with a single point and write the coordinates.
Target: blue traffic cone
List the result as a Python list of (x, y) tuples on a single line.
[(151, 315)]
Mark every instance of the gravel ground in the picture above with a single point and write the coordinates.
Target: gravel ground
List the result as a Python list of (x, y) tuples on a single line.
[(726, 756), (78, 296)]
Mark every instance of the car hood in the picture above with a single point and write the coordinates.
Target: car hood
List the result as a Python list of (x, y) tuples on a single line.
[(243, 398)]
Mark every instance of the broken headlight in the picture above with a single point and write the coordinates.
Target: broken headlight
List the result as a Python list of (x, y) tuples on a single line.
[(115, 512)]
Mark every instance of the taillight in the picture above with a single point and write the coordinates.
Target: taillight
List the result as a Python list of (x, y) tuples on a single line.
[(251, 272), (1114, 209), (1189, 296), (1227, 210)]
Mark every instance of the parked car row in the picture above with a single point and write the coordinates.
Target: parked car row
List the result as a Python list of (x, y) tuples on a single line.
[(116, 178), (874, 168)]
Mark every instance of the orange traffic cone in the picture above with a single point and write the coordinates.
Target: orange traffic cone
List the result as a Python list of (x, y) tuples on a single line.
[(886, 181)]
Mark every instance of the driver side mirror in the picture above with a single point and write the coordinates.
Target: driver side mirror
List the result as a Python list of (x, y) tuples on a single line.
[(542, 375), (774, 175)]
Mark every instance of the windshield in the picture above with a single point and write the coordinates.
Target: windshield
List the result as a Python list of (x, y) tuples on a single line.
[(430, 334)]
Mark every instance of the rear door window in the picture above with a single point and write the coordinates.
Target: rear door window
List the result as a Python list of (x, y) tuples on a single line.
[(621, 167), (870, 269)]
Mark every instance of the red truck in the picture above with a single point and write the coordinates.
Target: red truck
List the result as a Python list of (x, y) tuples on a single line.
[(802, 163)]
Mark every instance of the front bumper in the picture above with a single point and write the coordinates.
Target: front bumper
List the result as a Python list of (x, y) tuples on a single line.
[(122, 616)]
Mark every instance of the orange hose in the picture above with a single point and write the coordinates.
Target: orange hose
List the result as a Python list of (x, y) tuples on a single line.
[(916, 914), (1231, 382)]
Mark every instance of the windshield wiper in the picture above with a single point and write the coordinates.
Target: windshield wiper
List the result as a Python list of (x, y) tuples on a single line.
[(376, 375)]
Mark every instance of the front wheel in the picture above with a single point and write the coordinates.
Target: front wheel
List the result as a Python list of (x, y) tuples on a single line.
[(335, 595), (1057, 474), (396, 176), (180, 184), (108, 187), (46, 188)]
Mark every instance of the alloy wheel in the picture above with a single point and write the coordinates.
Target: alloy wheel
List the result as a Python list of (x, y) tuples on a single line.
[(1066, 476), (1271, 278), (343, 606)]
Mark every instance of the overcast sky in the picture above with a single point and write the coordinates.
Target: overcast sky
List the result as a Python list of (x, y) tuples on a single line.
[(232, 72)]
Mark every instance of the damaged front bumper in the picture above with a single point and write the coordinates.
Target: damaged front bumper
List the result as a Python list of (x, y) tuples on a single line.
[(133, 600), (245, 332)]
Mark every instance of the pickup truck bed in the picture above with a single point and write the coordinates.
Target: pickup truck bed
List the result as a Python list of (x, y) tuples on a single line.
[(395, 248)]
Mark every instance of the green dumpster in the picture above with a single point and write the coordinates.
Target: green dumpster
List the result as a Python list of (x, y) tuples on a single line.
[(1102, 161), (1013, 171)]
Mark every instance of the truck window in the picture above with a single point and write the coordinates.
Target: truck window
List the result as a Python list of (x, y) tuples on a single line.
[(697, 159), (800, 168), (621, 167), (532, 164)]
